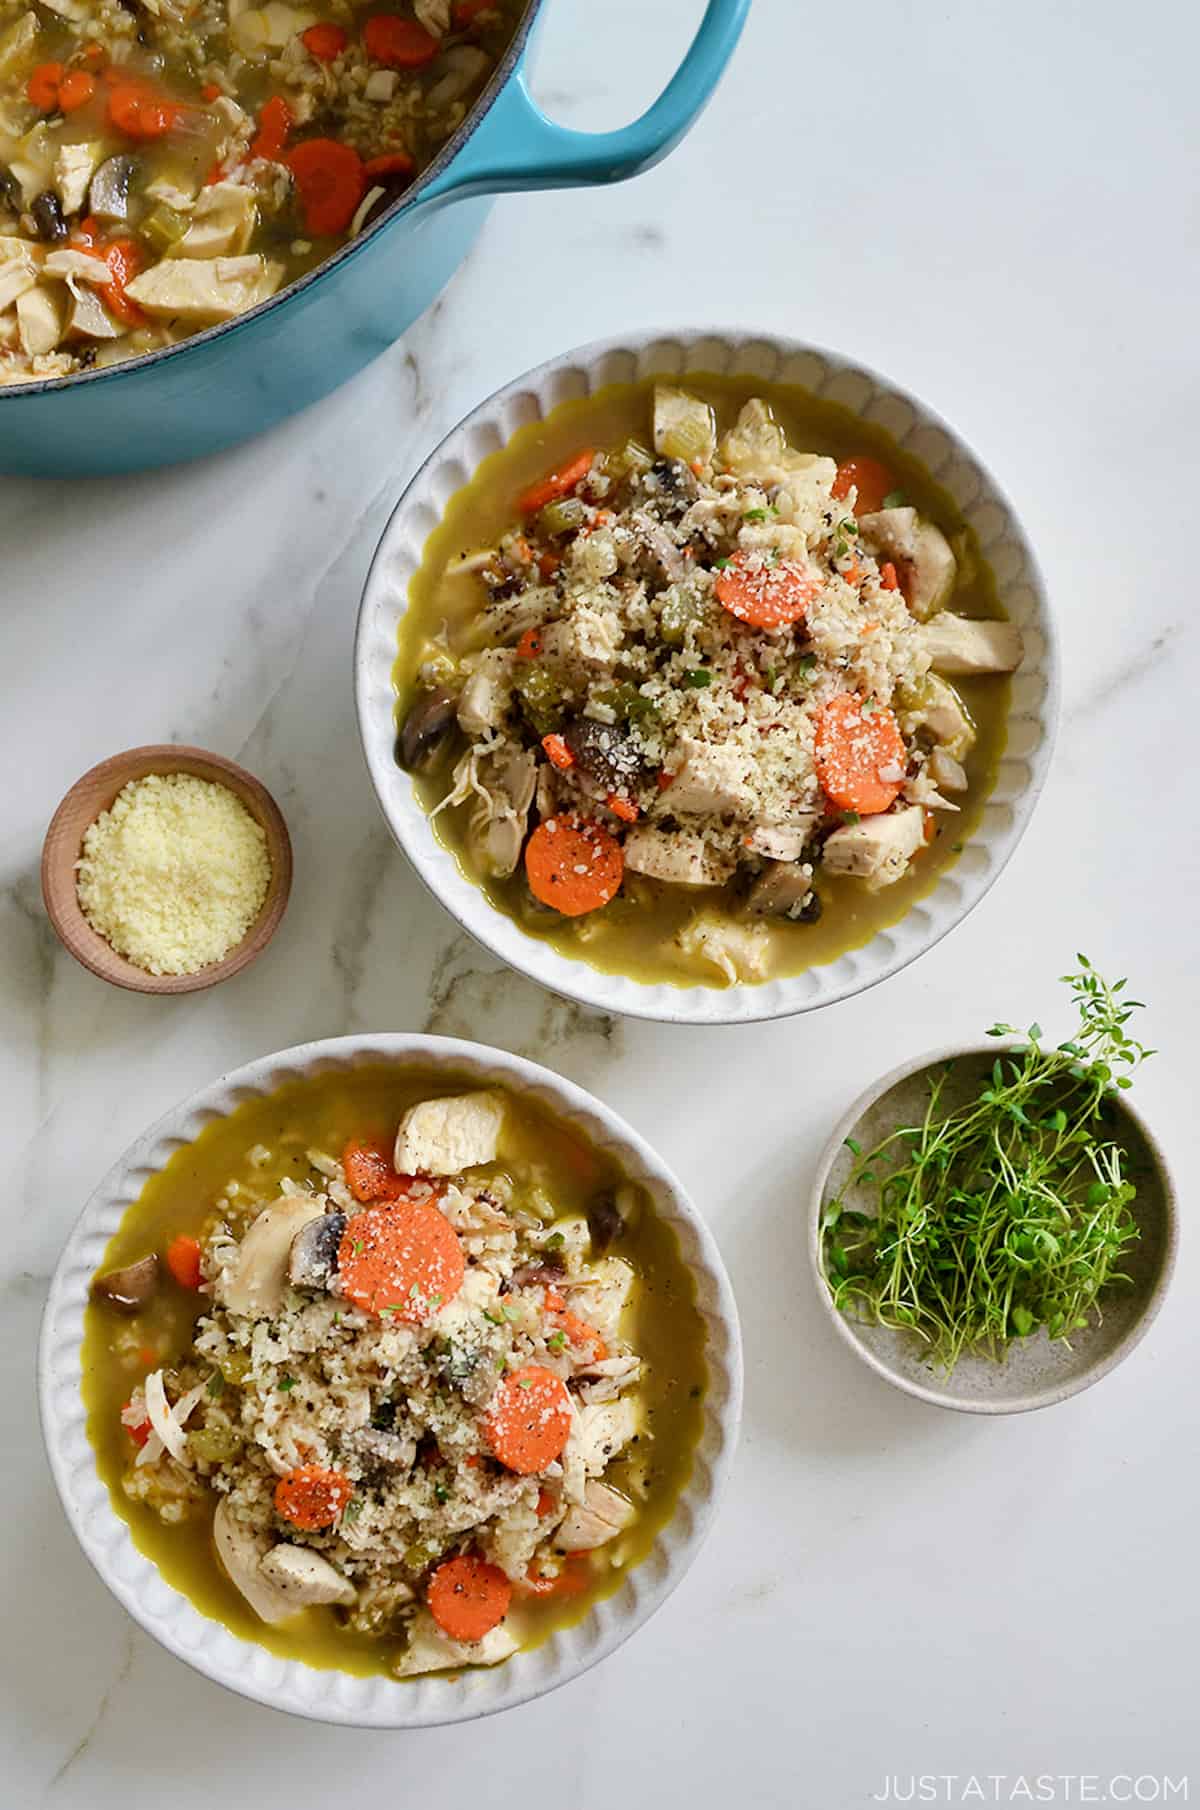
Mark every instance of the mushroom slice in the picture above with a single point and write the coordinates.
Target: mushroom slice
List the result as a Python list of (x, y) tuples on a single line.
[(426, 728), (782, 890), (108, 197), (130, 1288), (304, 1577), (312, 1260), (901, 534), (241, 1555), (257, 1283)]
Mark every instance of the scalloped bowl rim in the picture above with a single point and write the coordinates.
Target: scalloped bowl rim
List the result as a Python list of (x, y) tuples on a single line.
[(1007, 810), (1045, 1395), (288, 1684)]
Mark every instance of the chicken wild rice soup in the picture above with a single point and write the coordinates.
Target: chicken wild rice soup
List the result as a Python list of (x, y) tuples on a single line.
[(391, 1379), (166, 165), (691, 703)]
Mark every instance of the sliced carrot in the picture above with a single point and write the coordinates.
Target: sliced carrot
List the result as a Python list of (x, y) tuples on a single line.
[(124, 260), (183, 1261), (573, 865), (574, 1577), (467, 11), (557, 484), (860, 757), (468, 1597), (400, 43), (529, 1419), (370, 1175), (763, 595), (324, 41), (547, 1502), (140, 1430), (529, 647), (929, 826), (392, 163), (401, 1261), (274, 127), (622, 807), (582, 1336), (557, 752), (136, 110), (330, 182), (887, 576), (94, 55), (871, 479), (548, 563), (664, 780), (75, 90), (211, 92), (312, 1497), (41, 90)]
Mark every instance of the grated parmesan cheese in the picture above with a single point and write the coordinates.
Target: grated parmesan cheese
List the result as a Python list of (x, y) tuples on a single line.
[(174, 873)]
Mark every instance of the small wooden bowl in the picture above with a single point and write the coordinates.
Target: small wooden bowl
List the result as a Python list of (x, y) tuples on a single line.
[(92, 795)]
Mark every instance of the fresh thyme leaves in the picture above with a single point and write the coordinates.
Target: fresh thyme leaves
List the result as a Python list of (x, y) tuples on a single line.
[(1007, 1212)]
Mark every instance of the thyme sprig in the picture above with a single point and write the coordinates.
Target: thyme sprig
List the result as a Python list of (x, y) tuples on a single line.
[(1008, 1212)]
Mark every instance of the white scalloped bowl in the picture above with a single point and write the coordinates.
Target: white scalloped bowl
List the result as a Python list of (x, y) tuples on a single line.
[(1032, 717), (286, 1684)]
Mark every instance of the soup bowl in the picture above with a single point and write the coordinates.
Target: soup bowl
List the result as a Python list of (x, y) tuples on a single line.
[(291, 1684), (222, 385), (861, 394)]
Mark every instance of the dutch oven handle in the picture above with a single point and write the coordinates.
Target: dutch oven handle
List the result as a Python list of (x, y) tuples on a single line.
[(515, 146)]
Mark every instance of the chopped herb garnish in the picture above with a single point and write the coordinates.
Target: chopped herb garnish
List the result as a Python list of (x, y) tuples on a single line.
[(1006, 1212), (358, 1245), (956, 848), (441, 1492), (510, 1312), (524, 1382), (215, 1385), (850, 817), (719, 565), (758, 515), (286, 1383), (840, 550), (555, 1241), (698, 679), (895, 499), (806, 662), (353, 1508), (494, 1318), (556, 1341)]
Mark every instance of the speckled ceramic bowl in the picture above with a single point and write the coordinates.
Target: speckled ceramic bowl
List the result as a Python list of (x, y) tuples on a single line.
[(288, 1684), (1032, 718), (1038, 1371)]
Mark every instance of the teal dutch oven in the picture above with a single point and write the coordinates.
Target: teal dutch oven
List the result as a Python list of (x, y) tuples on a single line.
[(235, 380)]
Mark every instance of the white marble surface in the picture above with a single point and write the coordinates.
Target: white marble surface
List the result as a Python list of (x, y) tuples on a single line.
[(995, 203)]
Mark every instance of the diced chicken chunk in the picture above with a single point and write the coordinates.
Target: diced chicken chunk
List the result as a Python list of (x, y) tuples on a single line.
[(738, 950), (781, 841), (756, 449), (877, 849), (304, 1577), (73, 171), (256, 1285), (602, 1298), (710, 781), (205, 289), (434, 16), (241, 1554), (486, 695), (600, 1517), (930, 567), (600, 1431), (40, 319), (587, 637), (443, 1137), (947, 772), (681, 859), (957, 645), (223, 222), (937, 707), (429, 1650), (17, 45)]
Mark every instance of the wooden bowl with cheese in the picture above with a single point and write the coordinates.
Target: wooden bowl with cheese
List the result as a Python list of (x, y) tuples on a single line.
[(166, 869)]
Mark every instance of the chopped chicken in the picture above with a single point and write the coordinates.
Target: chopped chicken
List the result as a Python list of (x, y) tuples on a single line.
[(442, 1137), (600, 1517), (681, 859), (205, 289), (877, 849), (959, 645)]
